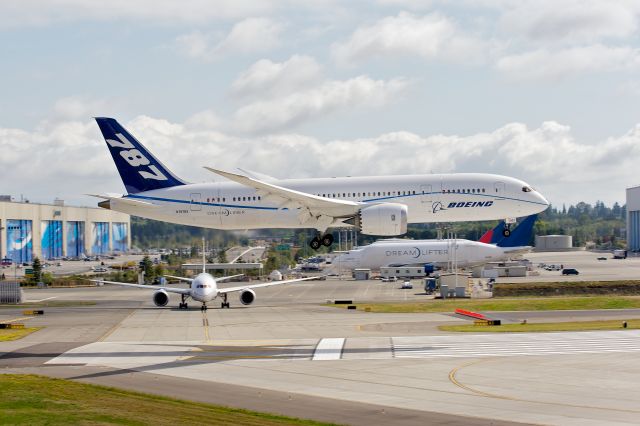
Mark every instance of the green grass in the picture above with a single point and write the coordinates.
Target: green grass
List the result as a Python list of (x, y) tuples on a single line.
[(515, 304), (7, 334), (37, 400), (544, 327)]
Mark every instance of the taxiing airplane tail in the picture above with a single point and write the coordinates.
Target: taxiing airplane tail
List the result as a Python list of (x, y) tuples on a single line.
[(139, 169), (521, 235), (492, 236)]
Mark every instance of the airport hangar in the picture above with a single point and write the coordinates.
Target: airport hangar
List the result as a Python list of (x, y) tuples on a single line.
[(49, 231)]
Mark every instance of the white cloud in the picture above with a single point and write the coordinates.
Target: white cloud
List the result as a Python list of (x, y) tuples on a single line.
[(571, 21), (429, 36), (544, 63), (270, 78), (19, 13), (281, 112), (247, 36), (71, 157)]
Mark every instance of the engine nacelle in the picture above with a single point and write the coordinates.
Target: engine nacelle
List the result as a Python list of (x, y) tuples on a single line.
[(247, 296), (160, 298), (388, 219)]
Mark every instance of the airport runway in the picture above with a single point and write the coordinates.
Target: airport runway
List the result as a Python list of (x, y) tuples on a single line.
[(287, 354)]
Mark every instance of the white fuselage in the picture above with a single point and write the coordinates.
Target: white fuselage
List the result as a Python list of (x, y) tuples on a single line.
[(429, 198), (463, 253), (204, 288)]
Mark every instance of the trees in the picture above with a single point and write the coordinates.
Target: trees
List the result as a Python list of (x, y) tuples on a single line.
[(37, 271), (148, 269)]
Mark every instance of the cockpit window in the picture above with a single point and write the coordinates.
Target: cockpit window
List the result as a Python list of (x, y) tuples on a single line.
[(526, 189)]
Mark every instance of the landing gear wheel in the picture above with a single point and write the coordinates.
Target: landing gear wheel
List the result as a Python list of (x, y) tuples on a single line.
[(315, 243), (182, 306), (506, 232), (203, 308), (224, 303), (327, 240)]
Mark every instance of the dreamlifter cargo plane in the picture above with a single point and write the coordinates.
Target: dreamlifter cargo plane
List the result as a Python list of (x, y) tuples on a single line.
[(375, 205)]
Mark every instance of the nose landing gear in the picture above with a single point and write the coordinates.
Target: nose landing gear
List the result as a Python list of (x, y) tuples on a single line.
[(506, 232), (203, 308)]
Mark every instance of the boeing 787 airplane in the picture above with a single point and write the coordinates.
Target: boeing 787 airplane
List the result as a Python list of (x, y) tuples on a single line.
[(374, 205)]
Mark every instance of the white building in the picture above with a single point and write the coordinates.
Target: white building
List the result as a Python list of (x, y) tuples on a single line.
[(54, 230), (633, 218)]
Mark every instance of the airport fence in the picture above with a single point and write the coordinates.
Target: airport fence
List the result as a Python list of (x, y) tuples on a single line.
[(10, 292)]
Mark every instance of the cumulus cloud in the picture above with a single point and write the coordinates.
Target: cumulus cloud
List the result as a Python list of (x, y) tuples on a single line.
[(429, 36), (279, 95), (71, 157), (247, 36), (570, 21), (266, 77), (544, 63), (299, 106)]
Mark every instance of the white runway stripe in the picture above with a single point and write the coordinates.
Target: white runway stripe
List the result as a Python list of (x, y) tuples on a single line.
[(517, 344), (329, 349)]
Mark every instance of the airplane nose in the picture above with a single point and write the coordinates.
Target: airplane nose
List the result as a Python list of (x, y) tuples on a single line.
[(543, 200)]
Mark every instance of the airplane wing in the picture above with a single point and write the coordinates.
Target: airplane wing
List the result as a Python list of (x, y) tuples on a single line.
[(227, 277), (179, 278), (312, 207), (269, 284), (150, 287)]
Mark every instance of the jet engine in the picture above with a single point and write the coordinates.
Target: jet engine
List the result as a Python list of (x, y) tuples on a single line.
[(160, 298), (388, 219), (247, 296)]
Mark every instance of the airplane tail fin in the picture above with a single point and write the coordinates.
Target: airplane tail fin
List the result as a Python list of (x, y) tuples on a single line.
[(139, 169), (492, 236), (521, 235)]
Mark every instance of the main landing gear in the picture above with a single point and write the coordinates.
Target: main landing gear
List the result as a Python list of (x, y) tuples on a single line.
[(224, 303), (324, 240), (183, 304)]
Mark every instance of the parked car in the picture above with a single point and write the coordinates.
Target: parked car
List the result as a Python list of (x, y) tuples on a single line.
[(100, 269), (389, 280), (406, 285), (570, 271)]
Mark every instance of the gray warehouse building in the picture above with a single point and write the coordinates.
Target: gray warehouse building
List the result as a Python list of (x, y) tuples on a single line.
[(51, 231), (633, 218)]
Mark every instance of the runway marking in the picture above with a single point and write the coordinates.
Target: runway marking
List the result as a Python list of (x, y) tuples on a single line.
[(205, 324), (15, 320), (329, 349), (455, 381), (511, 344), (41, 300)]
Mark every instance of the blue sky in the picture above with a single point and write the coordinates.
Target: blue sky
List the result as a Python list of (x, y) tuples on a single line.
[(546, 91)]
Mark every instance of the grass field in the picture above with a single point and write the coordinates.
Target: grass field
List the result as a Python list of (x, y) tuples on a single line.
[(7, 334), (542, 327), (37, 400), (514, 304)]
